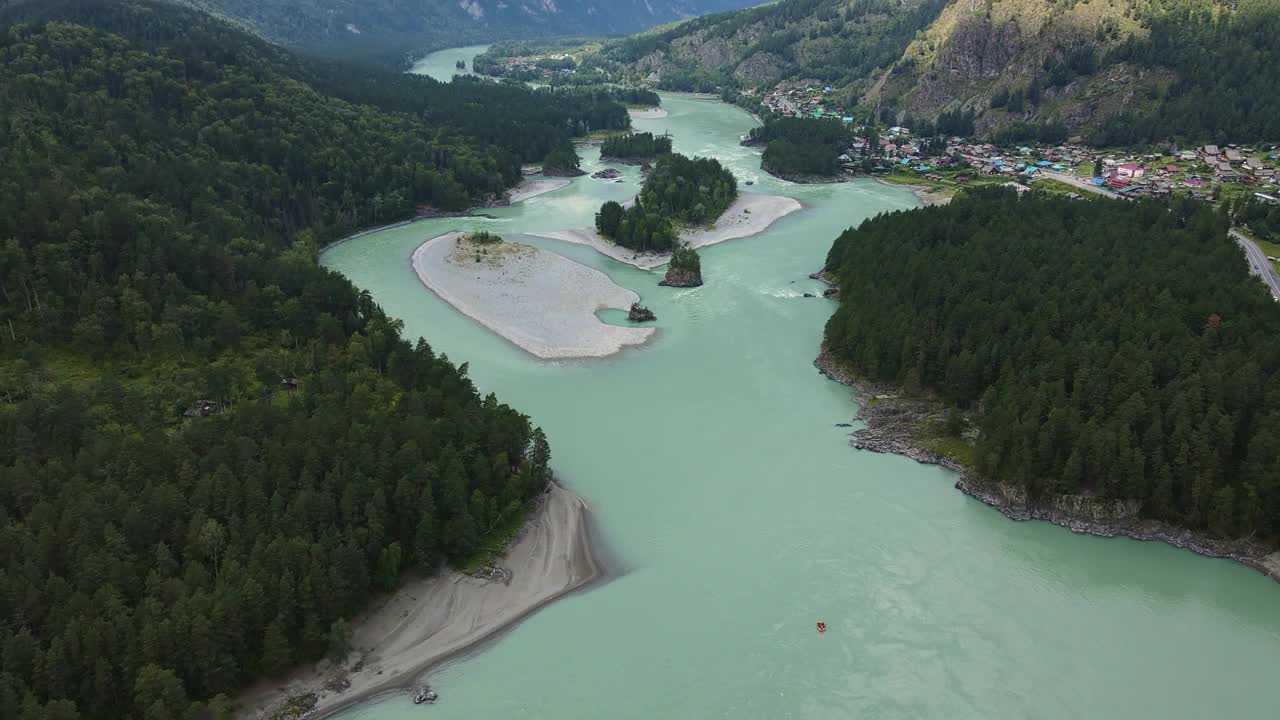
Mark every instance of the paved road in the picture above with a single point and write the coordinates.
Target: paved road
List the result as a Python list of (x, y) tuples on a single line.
[(1259, 263)]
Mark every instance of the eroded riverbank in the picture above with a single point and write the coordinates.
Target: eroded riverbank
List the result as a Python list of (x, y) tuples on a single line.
[(892, 424)]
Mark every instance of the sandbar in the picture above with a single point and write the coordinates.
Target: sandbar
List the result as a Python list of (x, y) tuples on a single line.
[(654, 113), (751, 214), (529, 188), (543, 302), (431, 620)]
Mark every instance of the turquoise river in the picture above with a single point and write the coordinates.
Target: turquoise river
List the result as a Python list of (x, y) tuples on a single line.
[(734, 515)]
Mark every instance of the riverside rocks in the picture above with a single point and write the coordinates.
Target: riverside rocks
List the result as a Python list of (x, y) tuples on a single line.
[(890, 427), (607, 174), (640, 313), (681, 278)]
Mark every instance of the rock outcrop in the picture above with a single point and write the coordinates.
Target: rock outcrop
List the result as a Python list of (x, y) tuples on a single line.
[(682, 278), (640, 313), (606, 174)]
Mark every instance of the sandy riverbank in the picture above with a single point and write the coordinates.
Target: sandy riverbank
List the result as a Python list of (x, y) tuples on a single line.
[(530, 188), (924, 195), (431, 620), (543, 302), (655, 113), (751, 214)]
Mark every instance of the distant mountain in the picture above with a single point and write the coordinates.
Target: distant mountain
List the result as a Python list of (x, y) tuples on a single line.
[(406, 26), (1117, 71)]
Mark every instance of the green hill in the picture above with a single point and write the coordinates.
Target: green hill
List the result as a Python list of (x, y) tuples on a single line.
[(213, 450)]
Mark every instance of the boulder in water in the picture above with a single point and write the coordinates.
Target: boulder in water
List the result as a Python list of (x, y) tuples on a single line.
[(640, 313), (682, 277)]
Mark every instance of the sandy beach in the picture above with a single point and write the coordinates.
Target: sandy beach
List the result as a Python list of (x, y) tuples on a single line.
[(431, 620), (751, 214), (654, 113), (543, 302), (530, 188), (925, 196)]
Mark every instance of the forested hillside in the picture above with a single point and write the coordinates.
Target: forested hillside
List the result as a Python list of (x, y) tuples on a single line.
[(1119, 349), (835, 41), (393, 29), (212, 450), (1114, 71)]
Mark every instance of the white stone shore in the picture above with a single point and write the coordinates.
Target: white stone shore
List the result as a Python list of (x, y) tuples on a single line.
[(531, 188), (655, 113), (543, 302), (751, 214)]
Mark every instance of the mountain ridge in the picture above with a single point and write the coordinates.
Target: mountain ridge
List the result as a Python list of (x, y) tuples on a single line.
[(1115, 71), (411, 27)]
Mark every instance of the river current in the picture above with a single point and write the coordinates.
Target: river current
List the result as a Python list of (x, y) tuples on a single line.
[(735, 515)]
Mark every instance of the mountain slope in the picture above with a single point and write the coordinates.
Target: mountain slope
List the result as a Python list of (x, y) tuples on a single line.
[(363, 26), (834, 41), (1114, 70)]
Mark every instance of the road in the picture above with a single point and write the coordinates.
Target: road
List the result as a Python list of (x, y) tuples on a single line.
[(1259, 264)]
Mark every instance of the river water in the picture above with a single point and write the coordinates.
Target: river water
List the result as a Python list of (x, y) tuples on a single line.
[(736, 516)]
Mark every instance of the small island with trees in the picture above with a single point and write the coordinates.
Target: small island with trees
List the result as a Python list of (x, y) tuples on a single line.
[(685, 268), (635, 148), (679, 190), (803, 150)]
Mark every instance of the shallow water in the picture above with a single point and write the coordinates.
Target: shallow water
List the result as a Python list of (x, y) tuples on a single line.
[(736, 516), (443, 66)]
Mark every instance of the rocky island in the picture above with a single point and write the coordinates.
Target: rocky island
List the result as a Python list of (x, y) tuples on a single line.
[(640, 313), (635, 148), (685, 268)]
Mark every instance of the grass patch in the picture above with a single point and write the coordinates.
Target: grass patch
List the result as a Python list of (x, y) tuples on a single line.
[(1271, 249), (602, 134), (1057, 186), (954, 448), (495, 543)]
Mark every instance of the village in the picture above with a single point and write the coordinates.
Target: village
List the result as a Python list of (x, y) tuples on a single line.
[(1208, 171)]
